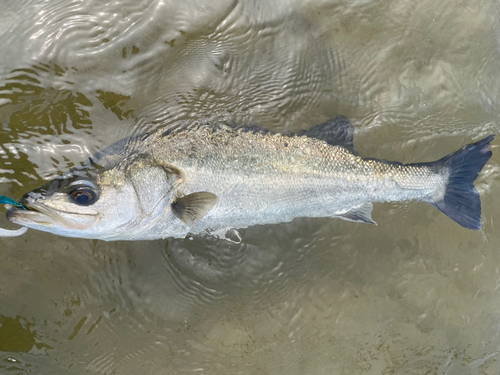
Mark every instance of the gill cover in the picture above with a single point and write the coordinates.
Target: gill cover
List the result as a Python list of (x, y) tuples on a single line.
[(146, 175)]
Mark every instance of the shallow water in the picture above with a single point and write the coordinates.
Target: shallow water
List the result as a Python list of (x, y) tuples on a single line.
[(416, 294)]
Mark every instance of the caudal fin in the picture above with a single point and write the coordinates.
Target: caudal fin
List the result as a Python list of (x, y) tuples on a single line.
[(461, 200)]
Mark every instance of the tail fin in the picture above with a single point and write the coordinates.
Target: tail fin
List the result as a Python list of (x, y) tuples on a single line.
[(461, 200)]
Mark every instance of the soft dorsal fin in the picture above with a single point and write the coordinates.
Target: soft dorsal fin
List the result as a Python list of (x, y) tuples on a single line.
[(336, 132), (359, 214), (193, 207)]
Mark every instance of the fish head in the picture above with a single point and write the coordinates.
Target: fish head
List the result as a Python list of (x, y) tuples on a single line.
[(111, 204)]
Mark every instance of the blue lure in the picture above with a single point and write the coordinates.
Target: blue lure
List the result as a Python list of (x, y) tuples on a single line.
[(5, 200)]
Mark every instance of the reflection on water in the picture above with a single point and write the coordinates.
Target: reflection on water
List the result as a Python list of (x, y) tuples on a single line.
[(417, 294)]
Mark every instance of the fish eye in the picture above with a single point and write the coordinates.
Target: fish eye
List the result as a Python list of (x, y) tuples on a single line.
[(83, 195)]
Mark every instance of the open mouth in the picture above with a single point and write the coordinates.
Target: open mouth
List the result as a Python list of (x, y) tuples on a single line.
[(28, 207)]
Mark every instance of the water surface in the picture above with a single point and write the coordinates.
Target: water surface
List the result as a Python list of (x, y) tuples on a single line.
[(417, 294)]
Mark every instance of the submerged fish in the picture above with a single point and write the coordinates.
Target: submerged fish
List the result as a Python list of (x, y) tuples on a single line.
[(205, 178)]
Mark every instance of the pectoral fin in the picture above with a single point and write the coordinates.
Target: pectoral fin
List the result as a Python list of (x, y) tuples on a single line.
[(359, 214), (193, 207)]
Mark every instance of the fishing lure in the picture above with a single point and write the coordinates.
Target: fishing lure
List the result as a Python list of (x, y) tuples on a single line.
[(5, 200), (15, 232)]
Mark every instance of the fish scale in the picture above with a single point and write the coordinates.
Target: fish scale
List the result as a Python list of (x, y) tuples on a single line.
[(305, 167)]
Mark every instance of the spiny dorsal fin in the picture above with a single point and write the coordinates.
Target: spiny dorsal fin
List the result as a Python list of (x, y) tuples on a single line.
[(193, 207), (359, 214), (336, 132)]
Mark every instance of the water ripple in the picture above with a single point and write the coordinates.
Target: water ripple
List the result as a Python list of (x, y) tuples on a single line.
[(417, 79)]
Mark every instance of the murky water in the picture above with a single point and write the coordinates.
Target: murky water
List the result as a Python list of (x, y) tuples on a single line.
[(416, 295)]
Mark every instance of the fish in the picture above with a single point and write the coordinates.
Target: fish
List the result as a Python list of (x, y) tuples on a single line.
[(204, 177)]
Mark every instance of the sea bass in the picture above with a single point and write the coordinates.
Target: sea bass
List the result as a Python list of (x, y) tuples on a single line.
[(208, 178)]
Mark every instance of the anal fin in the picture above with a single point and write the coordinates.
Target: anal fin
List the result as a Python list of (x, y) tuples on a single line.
[(359, 214)]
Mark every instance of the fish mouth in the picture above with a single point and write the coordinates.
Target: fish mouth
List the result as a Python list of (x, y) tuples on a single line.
[(39, 214)]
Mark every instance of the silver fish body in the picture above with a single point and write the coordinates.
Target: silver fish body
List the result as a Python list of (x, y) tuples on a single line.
[(205, 178)]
